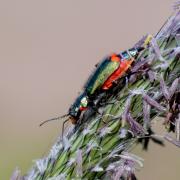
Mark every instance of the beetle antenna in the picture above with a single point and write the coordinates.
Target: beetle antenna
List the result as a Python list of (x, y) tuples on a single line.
[(53, 119)]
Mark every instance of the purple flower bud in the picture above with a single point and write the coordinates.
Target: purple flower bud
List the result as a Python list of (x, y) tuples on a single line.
[(79, 161), (169, 26), (177, 37), (86, 131), (129, 166), (110, 167), (152, 76), (16, 175), (171, 140), (164, 89), (174, 52), (140, 43), (136, 128), (132, 157), (97, 168), (176, 5), (118, 173), (32, 175), (127, 108), (104, 131), (91, 145), (71, 161), (131, 176), (133, 78), (123, 133), (174, 87), (66, 143), (153, 103), (55, 150), (42, 165), (156, 49), (146, 114), (61, 177), (139, 65)]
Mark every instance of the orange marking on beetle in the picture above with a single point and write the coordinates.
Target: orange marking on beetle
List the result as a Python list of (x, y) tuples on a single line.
[(115, 58), (124, 66)]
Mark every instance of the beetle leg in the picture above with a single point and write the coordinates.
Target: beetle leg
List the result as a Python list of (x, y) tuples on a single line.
[(63, 126), (95, 109)]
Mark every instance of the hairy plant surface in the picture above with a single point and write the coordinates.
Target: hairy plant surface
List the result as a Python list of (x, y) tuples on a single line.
[(99, 147)]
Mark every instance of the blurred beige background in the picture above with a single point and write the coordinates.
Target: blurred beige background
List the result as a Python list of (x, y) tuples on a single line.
[(47, 50)]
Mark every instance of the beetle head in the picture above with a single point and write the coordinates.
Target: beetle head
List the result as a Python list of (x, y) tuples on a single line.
[(77, 107)]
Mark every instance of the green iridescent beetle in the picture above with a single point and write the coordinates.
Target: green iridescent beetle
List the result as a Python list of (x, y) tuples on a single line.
[(107, 72)]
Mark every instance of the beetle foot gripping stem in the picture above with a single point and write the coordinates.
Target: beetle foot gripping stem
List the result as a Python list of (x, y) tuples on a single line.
[(85, 118)]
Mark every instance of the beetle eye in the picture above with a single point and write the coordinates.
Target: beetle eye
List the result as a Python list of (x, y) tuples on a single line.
[(84, 102)]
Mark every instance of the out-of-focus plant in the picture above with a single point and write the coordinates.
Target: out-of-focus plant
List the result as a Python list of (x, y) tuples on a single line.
[(100, 147)]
